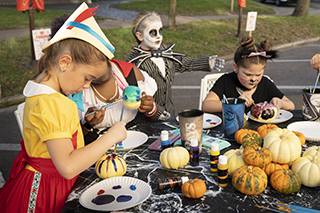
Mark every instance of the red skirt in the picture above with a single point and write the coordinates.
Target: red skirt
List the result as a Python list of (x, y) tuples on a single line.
[(28, 191)]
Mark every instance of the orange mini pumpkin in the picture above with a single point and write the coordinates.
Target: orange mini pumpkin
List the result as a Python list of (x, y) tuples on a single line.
[(285, 181), (241, 133), (273, 166), (256, 156), (265, 129), (194, 188), (301, 137)]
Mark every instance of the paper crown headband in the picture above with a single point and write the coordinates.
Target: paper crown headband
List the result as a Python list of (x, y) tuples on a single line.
[(83, 26)]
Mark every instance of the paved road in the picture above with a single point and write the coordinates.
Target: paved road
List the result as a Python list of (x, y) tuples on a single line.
[(291, 72)]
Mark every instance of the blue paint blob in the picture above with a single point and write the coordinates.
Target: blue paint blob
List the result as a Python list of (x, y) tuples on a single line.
[(103, 199), (124, 198), (117, 187), (133, 187)]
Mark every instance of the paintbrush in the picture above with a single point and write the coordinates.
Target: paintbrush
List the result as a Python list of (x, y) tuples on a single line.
[(242, 93)]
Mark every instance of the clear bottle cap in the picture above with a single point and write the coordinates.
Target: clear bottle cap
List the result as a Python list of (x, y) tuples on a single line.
[(214, 146), (194, 142), (223, 160), (184, 179)]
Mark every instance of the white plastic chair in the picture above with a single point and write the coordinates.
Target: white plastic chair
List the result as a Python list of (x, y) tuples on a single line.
[(206, 84), (19, 116)]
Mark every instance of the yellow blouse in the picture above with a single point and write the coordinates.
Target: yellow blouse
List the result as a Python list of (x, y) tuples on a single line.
[(49, 116)]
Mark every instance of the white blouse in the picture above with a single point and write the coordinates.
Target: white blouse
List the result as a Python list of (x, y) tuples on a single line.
[(113, 113)]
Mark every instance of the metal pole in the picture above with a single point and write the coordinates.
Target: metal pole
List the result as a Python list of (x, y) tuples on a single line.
[(239, 24)]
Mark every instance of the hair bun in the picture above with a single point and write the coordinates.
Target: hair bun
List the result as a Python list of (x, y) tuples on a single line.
[(266, 45), (247, 43)]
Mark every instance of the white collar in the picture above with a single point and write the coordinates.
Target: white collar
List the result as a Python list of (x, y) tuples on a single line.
[(32, 89)]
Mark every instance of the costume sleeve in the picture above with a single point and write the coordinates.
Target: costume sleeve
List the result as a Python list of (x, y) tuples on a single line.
[(149, 85), (54, 117), (193, 64)]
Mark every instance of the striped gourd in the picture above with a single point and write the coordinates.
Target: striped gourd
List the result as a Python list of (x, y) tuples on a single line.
[(249, 180), (285, 181), (252, 139)]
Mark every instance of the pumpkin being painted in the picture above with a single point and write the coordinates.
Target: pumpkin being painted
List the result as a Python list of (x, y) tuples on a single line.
[(308, 168), (235, 160), (249, 180), (264, 111), (284, 145), (256, 156), (110, 165), (194, 188), (264, 129), (285, 181), (174, 157)]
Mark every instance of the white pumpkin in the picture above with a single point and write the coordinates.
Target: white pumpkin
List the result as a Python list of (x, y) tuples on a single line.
[(235, 160), (313, 150), (284, 145), (308, 168), (174, 157)]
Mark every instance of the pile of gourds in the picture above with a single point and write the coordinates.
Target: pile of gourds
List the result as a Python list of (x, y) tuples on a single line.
[(268, 154)]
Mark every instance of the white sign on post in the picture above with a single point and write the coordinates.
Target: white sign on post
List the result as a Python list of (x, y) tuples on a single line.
[(40, 38), (251, 21)]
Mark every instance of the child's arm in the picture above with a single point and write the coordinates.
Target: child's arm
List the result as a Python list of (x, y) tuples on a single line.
[(71, 162), (283, 103), (212, 103)]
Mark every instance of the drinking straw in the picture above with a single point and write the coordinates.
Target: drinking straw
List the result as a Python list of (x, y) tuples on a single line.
[(242, 93), (115, 147), (105, 106), (315, 84)]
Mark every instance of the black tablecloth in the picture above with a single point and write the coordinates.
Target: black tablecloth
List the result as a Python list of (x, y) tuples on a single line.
[(144, 164)]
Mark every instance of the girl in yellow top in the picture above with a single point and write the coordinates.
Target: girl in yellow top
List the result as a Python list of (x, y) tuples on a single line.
[(53, 153)]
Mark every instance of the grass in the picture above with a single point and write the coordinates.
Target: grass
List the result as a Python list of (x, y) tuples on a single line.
[(201, 38)]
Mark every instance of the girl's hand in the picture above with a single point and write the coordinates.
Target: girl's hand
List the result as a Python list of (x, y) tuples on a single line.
[(277, 102), (95, 118), (146, 103), (247, 98), (118, 131)]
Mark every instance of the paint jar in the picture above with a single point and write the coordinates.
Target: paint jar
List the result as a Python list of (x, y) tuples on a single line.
[(223, 171), (165, 141), (171, 182), (194, 152), (214, 157)]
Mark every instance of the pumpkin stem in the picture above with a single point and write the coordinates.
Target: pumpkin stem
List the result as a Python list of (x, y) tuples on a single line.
[(191, 181), (314, 159), (238, 153), (249, 169)]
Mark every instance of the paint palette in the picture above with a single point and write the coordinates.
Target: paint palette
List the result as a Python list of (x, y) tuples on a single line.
[(209, 120), (115, 194)]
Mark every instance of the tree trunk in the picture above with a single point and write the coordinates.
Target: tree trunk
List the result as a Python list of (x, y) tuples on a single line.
[(302, 8), (172, 14)]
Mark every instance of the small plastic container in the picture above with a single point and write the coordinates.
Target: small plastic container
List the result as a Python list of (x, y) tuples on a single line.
[(165, 141), (171, 182), (223, 171), (194, 152), (214, 157)]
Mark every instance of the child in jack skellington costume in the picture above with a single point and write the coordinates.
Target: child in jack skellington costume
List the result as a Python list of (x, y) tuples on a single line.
[(161, 62)]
